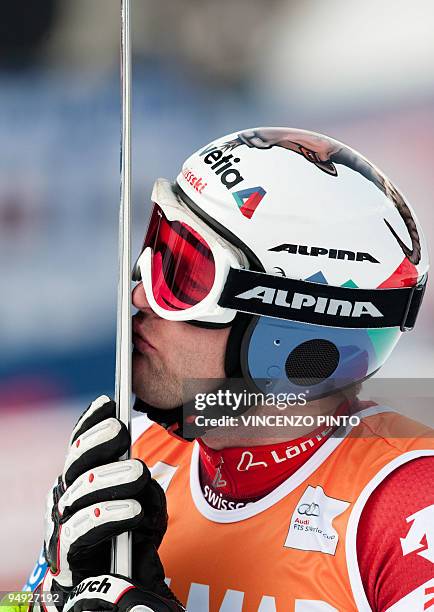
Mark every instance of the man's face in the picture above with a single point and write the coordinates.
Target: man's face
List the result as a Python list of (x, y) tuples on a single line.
[(166, 353)]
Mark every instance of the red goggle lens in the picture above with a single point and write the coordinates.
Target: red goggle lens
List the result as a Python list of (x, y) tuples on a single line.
[(183, 267)]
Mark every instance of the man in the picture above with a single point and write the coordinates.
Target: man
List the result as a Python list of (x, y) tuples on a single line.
[(285, 261)]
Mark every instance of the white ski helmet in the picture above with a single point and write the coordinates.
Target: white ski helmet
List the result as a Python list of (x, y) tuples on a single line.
[(302, 234)]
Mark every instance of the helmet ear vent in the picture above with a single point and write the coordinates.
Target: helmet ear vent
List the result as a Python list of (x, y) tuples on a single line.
[(311, 362)]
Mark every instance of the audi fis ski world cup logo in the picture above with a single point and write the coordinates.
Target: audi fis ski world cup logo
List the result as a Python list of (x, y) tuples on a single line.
[(299, 301), (311, 527), (224, 166), (311, 509), (314, 251)]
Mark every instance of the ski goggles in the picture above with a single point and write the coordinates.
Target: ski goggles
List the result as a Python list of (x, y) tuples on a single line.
[(184, 264), (191, 273)]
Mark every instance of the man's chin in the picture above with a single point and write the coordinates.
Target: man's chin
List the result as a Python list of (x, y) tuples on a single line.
[(145, 387), (151, 402), (153, 398)]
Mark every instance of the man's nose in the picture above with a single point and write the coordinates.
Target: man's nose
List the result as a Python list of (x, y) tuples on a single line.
[(139, 298)]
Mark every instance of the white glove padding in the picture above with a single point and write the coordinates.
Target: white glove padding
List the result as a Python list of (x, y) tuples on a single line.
[(113, 592), (97, 498)]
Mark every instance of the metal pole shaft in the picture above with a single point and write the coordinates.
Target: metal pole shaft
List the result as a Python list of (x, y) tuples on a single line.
[(122, 544)]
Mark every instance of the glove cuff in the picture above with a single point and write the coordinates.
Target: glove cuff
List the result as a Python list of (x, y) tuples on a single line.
[(114, 592)]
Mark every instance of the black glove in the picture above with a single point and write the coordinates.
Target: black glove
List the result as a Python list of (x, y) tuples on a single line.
[(97, 498), (116, 593)]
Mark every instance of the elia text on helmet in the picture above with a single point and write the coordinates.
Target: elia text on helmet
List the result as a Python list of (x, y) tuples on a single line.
[(299, 301), (223, 166)]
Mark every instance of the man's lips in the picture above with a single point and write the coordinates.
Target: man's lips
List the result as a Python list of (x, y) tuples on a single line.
[(141, 343)]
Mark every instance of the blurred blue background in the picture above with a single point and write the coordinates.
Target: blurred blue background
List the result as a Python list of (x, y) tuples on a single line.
[(359, 72)]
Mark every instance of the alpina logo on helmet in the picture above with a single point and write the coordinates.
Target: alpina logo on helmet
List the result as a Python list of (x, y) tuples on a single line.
[(314, 251), (298, 301), (223, 166)]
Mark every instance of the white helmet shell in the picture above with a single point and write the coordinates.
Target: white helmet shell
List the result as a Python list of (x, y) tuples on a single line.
[(308, 207)]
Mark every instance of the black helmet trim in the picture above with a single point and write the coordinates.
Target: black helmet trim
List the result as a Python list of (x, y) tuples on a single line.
[(307, 302)]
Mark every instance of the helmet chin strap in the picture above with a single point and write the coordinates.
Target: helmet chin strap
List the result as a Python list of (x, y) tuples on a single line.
[(172, 419)]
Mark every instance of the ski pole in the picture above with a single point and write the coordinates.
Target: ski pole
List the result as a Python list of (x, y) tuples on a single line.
[(121, 551)]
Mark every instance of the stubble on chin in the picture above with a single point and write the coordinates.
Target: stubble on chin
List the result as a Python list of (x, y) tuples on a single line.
[(154, 384)]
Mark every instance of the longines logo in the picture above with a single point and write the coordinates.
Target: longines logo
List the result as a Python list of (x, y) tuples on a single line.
[(314, 251)]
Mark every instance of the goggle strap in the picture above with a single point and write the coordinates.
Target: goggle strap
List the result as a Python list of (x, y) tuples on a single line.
[(307, 302)]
